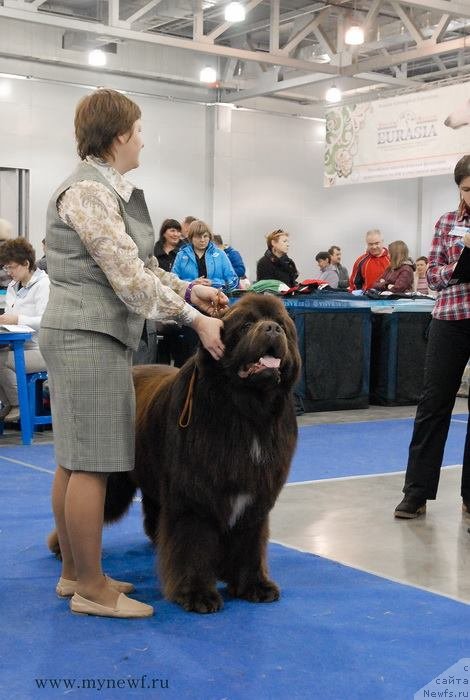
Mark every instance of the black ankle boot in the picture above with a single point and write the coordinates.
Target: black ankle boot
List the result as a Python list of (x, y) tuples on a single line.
[(410, 508)]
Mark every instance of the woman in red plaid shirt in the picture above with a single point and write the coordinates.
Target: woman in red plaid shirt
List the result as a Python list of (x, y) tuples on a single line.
[(447, 354)]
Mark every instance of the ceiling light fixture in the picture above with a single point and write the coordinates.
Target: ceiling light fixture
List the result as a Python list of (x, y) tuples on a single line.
[(333, 94), (234, 12), (208, 75), (354, 35), (97, 57)]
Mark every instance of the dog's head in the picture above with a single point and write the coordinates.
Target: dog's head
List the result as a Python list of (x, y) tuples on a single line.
[(260, 344)]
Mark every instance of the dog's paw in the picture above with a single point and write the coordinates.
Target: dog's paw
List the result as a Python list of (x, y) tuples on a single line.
[(200, 601), (257, 592)]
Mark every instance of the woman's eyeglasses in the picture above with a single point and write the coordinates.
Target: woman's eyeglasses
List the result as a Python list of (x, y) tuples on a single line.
[(10, 268)]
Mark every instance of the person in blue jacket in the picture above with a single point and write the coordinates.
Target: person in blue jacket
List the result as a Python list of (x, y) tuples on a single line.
[(201, 260), (232, 254)]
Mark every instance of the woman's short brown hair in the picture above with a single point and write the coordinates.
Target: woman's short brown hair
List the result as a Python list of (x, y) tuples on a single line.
[(273, 236), (18, 251), (99, 118), (197, 228), (462, 170)]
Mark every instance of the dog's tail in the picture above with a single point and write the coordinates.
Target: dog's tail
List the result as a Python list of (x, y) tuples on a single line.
[(120, 491)]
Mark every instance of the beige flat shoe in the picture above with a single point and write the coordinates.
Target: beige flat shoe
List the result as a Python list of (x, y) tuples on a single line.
[(66, 588), (13, 415), (125, 607)]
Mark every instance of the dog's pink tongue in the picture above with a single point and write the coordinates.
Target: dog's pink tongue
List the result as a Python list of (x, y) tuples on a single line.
[(270, 362)]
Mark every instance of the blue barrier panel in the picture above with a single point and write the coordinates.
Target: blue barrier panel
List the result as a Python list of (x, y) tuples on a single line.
[(334, 343)]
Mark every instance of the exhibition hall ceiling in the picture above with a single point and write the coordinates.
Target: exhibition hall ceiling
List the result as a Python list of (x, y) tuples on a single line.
[(284, 50)]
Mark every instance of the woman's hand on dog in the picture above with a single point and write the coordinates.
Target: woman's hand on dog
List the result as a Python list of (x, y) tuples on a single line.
[(211, 301), (208, 330)]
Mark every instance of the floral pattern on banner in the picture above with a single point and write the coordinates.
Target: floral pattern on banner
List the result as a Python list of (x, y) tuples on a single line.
[(342, 134)]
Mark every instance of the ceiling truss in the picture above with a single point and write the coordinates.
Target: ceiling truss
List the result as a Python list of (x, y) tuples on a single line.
[(284, 48)]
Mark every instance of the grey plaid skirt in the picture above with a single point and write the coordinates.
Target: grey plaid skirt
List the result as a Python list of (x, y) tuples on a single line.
[(92, 399)]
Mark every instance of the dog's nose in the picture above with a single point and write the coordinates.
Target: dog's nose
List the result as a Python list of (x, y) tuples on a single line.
[(272, 329)]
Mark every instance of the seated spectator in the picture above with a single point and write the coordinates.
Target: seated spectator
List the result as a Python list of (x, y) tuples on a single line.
[(6, 232), (399, 275), (26, 300), (421, 281), (169, 334), (199, 260), (186, 223), (233, 255), (370, 265), (343, 274), (202, 259), (328, 273), (42, 262), (168, 243), (275, 264), (165, 250)]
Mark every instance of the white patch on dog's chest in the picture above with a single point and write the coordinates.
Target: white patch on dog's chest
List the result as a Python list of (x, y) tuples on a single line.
[(255, 451), (239, 503)]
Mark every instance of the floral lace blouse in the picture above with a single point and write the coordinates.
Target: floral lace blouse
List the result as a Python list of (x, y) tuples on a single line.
[(93, 212)]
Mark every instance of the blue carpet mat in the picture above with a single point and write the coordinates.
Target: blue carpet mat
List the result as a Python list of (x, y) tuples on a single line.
[(324, 451), (336, 633), (351, 449)]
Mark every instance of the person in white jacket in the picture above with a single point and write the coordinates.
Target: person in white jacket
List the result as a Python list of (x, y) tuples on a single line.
[(26, 299)]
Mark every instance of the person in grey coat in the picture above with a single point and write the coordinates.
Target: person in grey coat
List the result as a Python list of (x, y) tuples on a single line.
[(343, 274), (328, 274)]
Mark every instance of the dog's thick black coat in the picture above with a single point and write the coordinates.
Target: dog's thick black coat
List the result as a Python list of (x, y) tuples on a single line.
[(208, 488)]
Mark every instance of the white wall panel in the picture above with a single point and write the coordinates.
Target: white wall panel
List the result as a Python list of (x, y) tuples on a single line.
[(440, 194), (276, 173), (37, 134), (247, 173)]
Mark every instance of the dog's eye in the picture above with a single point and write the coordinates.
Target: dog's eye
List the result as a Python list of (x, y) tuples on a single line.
[(247, 326)]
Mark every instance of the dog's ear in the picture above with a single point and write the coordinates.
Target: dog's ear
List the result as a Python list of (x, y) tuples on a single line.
[(295, 364)]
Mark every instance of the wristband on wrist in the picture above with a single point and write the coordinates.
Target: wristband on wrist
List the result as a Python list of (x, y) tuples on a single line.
[(187, 294)]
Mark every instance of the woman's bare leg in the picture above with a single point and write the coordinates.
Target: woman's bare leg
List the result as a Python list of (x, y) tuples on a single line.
[(84, 511), (59, 490)]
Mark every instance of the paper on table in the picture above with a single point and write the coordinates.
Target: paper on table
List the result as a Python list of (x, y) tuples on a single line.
[(11, 328)]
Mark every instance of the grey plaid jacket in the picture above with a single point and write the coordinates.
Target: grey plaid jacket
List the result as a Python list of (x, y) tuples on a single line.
[(81, 296)]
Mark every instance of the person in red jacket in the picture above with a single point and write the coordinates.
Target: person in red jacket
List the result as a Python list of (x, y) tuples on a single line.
[(399, 276), (370, 265)]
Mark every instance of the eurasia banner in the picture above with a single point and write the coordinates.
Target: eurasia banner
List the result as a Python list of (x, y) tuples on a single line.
[(411, 135)]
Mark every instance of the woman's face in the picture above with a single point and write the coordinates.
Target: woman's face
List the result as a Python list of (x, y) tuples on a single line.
[(129, 146), (18, 272), (172, 237), (200, 242), (464, 189), (421, 268), (336, 256), (280, 245)]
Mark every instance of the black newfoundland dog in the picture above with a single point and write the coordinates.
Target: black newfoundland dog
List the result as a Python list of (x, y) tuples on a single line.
[(214, 443)]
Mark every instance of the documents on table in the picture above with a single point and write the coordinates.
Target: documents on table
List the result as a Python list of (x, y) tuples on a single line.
[(12, 328)]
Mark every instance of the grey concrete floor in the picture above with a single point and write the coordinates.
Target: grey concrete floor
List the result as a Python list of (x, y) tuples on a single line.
[(13, 437), (350, 520)]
